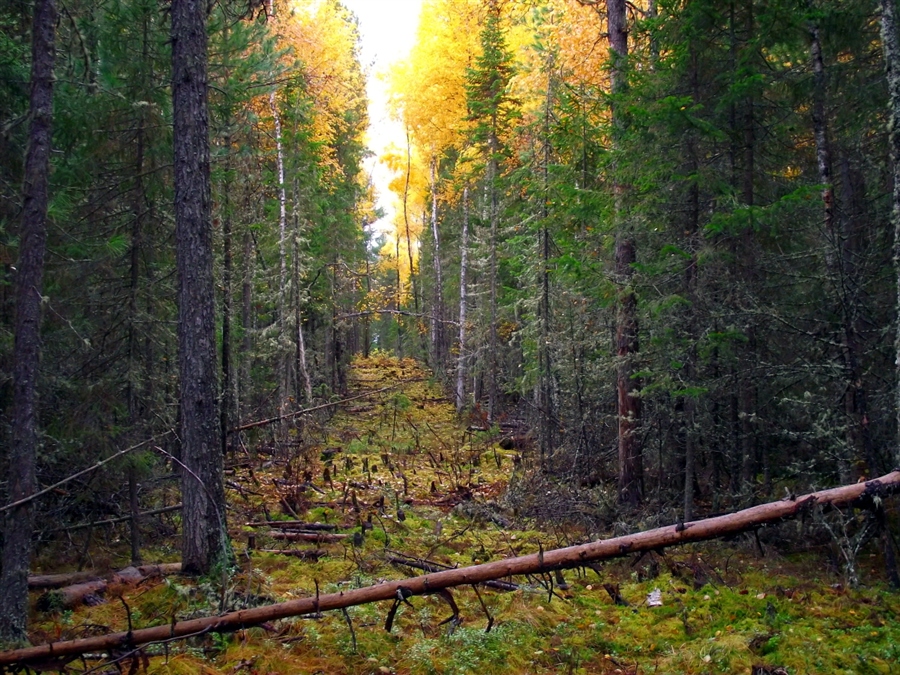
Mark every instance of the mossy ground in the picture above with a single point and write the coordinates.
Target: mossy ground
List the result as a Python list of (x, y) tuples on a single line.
[(397, 464)]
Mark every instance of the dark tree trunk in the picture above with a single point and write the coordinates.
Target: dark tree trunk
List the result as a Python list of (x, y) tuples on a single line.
[(204, 535), (17, 545), (628, 387), (891, 42)]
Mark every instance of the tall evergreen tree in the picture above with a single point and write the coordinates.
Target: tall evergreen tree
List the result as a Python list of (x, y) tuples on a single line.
[(491, 109), (22, 456), (204, 538)]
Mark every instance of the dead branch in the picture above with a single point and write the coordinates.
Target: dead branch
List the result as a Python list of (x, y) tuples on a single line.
[(113, 521), (859, 494), (81, 473)]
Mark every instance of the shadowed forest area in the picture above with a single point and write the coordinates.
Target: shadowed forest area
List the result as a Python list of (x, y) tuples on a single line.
[(642, 275)]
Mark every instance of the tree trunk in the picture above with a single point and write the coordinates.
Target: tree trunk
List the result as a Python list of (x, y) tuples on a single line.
[(463, 295), (861, 494), (228, 404), (283, 370), (19, 521), (302, 368), (891, 41), (204, 537), (437, 312), (628, 387)]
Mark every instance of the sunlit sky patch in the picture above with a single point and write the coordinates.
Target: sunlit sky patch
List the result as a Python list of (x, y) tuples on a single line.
[(387, 31)]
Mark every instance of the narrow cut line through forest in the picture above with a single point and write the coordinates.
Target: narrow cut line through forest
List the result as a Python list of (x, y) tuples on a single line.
[(391, 484)]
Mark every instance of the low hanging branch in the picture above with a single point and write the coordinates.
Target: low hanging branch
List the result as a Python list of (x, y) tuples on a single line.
[(861, 494)]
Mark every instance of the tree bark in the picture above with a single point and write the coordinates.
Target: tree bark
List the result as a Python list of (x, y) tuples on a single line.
[(891, 42), (437, 312), (861, 494), (463, 307), (204, 537), (628, 387), (19, 521)]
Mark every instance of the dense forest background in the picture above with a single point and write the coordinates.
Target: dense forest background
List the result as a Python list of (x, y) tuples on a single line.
[(650, 243)]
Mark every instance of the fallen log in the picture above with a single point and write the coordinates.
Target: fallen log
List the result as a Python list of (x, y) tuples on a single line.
[(40, 582), (303, 554), (402, 560), (292, 525), (316, 537), (861, 494), (90, 591)]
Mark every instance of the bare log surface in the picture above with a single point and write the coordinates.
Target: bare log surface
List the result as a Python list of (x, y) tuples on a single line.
[(861, 494), (305, 554), (41, 582), (292, 525), (315, 537), (90, 589)]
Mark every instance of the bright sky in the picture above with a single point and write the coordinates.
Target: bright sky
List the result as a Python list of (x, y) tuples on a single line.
[(387, 30)]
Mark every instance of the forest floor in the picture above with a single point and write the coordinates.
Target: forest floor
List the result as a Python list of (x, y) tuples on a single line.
[(404, 479)]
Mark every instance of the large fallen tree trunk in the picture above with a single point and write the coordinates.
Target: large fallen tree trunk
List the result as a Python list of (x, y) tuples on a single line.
[(90, 591), (37, 582), (860, 494)]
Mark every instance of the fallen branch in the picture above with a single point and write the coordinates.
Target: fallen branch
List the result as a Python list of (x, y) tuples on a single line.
[(861, 494), (93, 467), (113, 521)]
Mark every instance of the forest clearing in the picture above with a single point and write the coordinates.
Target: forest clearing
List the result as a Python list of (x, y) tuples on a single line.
[(409, 490), (566, 340)]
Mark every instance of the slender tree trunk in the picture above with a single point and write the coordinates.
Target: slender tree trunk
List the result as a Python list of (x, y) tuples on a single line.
[(891, 41), (134, 414), (690, 282), (493, 343), (437, 315), (463, 306), (631, 465), (839, 255), (298, 315), (545, 381), (284, 368), (227, 409), (246, 315), (19, 522), (204, 537)]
